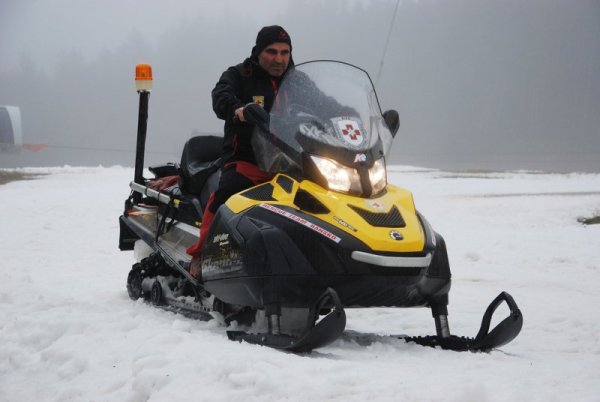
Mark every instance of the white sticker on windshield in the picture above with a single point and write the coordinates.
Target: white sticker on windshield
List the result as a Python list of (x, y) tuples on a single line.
[(349, 130)]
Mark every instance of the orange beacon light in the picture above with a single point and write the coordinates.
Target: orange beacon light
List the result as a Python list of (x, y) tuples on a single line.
[(143, 77)]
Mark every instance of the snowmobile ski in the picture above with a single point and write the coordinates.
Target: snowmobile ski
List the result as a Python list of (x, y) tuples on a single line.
[(486, 340), (315, 335)]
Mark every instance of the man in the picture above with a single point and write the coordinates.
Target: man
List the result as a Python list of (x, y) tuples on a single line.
[(255, 80)]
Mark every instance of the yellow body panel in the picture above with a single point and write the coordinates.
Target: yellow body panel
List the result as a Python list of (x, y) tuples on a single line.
[(377, 238)]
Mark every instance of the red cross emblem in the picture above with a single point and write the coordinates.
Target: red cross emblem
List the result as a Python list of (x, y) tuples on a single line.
[(352, 131)]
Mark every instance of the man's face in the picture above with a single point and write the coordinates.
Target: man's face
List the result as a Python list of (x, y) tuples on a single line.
[(275, 58)]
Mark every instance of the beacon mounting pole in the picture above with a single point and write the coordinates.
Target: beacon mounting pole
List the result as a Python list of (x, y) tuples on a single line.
[(143, 85)]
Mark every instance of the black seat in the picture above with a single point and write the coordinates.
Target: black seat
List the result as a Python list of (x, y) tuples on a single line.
[(199, 159)]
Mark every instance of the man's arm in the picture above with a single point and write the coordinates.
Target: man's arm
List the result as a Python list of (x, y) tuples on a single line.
[(225, 94)]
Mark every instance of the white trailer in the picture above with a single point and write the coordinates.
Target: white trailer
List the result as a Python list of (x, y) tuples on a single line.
[(11, 134)]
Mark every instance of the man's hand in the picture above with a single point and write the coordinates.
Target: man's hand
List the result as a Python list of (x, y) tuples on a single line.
[(239, 113), (252, 113)]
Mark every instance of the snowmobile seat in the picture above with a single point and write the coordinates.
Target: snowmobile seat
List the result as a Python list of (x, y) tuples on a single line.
[(164, 170), (199, 160)]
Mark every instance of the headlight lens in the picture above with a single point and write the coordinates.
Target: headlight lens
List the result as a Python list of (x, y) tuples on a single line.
[(377, 176), (339, 177), (345, 179)]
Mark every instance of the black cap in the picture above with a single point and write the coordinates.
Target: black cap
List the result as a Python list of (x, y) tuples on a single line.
[(268, 35)]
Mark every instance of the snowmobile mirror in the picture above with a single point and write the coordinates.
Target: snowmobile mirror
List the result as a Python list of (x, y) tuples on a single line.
[(392, 119), (255, 114)]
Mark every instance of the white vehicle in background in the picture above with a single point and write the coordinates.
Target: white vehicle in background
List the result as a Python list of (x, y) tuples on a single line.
[(11, 133)]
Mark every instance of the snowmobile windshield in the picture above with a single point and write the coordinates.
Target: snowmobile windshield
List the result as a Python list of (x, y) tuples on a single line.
[(325, 122)]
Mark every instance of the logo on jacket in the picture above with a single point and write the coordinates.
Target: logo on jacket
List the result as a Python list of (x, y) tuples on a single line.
[(259, 100)]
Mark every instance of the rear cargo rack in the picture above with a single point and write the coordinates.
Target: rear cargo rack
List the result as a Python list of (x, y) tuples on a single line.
[(148, 192)]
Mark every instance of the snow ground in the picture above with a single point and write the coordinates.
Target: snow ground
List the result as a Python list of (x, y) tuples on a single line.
[(68, 331)]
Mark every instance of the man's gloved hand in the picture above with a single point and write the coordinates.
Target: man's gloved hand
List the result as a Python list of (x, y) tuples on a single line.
[(252, 113), (239, 113)]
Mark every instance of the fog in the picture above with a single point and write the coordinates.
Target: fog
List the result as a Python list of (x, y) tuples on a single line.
[(499, 84)]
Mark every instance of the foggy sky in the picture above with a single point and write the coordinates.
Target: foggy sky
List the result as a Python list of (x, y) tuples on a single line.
[(479, 85)]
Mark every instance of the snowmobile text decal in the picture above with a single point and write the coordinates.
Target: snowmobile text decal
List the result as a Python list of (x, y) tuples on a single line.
[(345, 224), (302, 221)]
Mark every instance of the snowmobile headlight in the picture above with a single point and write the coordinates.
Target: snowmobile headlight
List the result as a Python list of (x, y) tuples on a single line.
[(339, 177), (377, 175)]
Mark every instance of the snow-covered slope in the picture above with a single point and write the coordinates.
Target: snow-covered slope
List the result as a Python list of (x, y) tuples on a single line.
[(68, 330)]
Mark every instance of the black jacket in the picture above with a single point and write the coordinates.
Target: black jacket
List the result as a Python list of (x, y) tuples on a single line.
[(247, 82)]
